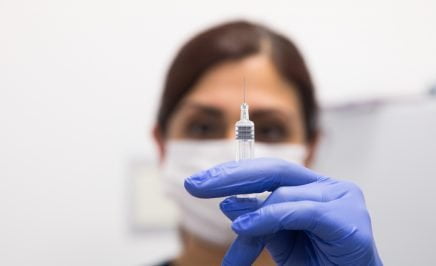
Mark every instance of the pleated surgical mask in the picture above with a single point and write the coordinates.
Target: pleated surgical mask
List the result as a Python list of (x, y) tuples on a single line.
[(203, 217)]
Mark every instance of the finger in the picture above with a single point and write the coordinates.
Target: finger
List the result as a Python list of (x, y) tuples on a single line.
[(248, 176), (283, 243), (243, 251), (234, 206), (313, 192), (300, 215)]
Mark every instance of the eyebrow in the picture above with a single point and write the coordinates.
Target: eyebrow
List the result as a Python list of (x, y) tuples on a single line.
[(271, 112), (204, 109), (256, 113)]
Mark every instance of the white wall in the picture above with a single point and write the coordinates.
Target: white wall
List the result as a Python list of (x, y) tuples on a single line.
[(79, 82), (389, 150)]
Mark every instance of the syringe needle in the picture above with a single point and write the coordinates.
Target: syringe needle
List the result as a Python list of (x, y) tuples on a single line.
[(245, 89)]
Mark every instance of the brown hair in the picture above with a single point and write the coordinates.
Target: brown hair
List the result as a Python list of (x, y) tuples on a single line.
[(230, 41)]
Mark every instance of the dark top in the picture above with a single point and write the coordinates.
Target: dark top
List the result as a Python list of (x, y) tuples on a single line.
[(166, 263)]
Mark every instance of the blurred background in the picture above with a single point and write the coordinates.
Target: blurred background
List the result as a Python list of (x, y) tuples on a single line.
[(79, 87)]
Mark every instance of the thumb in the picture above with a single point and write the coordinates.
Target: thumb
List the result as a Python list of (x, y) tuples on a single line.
[(233, 207), (244, 250), (301, 215)]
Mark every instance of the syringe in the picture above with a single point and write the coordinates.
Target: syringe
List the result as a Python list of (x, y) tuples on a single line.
[(244, 132)]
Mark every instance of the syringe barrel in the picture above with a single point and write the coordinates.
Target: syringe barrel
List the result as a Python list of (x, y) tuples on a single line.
[(244, 150), (244, 131), (244, 144)]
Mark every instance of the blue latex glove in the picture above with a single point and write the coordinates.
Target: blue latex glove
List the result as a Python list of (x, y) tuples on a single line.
[(308, 219)]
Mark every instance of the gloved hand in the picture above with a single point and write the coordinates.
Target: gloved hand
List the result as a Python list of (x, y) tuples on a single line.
[(308, 219)]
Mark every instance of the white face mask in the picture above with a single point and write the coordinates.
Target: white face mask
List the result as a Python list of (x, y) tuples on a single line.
[(203, 217)]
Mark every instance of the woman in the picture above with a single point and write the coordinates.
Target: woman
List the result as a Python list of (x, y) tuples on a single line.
[(307, 218)]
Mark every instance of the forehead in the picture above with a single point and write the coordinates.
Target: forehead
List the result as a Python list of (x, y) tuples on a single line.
[(223, 86)]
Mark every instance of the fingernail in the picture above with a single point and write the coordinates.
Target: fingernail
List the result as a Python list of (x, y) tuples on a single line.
[(228, 203), (197, 178), (214, 172), (200, 177), (244, 221)]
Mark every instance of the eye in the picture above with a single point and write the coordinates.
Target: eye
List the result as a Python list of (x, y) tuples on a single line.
[(204, 129), (271, 132)]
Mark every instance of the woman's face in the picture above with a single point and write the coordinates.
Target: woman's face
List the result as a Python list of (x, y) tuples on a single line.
[(210, 110)]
